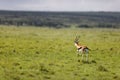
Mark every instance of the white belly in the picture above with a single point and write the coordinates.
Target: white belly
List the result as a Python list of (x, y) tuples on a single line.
[(80, 50)]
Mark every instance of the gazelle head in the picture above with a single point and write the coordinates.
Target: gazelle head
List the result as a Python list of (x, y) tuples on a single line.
[(76, 41)]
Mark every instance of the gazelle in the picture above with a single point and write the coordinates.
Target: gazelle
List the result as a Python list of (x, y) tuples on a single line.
[(82, 50)]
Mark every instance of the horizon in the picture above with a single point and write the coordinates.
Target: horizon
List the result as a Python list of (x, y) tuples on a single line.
[(57, 11)]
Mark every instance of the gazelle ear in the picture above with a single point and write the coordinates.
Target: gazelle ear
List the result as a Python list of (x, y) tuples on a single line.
[(77, 39)]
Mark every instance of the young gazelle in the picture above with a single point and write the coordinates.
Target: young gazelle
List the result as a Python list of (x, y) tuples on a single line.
[(82, 50)]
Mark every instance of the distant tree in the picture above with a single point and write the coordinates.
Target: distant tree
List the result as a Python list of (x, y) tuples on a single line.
[(106, 25), (84, 26)]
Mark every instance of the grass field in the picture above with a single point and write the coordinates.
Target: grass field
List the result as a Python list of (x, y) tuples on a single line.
[(32, 53)]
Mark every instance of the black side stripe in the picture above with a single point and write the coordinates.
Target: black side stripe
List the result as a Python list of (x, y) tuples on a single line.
[(79, 48)]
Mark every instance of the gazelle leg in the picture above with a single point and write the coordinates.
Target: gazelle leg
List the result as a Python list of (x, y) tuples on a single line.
[(82, 57), (86, 51), (77, 53), (86, 56)]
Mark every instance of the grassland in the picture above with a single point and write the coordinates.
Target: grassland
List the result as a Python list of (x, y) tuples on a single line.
[(32, 53)]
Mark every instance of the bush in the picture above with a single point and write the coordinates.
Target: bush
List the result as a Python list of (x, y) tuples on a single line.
[(101, 68)]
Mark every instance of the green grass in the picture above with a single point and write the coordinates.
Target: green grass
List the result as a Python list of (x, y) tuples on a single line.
[(32, 53)]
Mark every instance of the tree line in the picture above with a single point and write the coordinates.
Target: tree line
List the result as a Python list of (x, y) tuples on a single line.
[(61, 19)]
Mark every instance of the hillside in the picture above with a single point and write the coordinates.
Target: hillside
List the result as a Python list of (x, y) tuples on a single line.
[(61, 19)]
